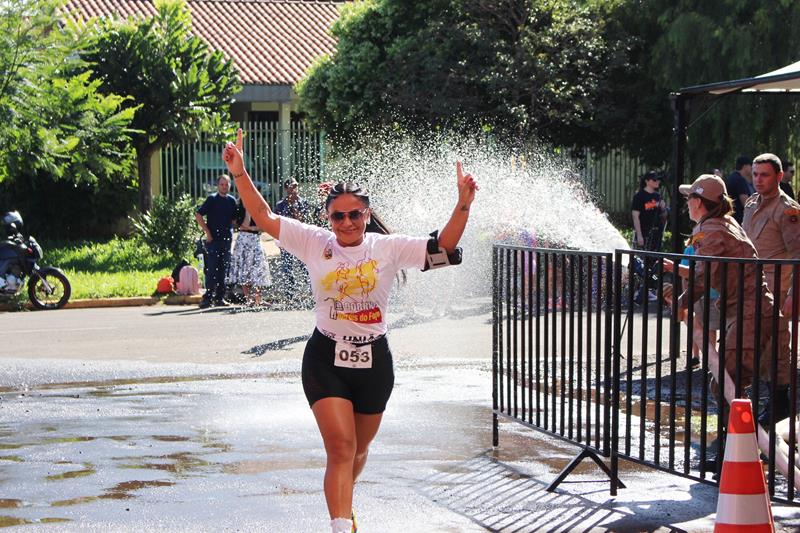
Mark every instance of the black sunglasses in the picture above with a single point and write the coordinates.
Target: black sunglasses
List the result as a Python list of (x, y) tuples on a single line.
[(354, 215)]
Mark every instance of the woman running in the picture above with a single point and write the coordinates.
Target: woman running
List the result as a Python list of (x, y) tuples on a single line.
[(347, 366)]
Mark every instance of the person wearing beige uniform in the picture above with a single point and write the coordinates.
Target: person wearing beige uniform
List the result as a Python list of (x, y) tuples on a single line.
[(717, 234), (772, 222)]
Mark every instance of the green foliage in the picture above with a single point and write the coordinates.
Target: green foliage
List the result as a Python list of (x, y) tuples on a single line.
[(112, 256), (131, 283), (178, 86), (63, 209), (519, 68), (169, 227), (587, 73), (53, 121), (106, 269), (689, 42)]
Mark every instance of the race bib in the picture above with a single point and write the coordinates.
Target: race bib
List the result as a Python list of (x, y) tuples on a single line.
[(351, 356)]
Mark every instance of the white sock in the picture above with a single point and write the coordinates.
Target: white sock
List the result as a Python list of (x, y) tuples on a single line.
[(341, 525)]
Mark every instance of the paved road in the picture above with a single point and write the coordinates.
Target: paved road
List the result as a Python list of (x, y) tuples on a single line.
[(170, 419), (224, 335)]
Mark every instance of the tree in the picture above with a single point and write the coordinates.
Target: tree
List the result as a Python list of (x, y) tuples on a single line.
[(520, 68), (54, 123), (181, 88), (691, 42)]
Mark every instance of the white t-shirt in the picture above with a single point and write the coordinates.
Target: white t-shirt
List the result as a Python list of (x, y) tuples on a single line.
[(351, 284)]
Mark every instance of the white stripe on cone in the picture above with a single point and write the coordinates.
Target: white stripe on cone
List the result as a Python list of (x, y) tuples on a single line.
[(741, 448), (743, 509)]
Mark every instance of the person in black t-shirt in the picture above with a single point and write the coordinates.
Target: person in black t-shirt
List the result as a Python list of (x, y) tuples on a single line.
[(786, 181), (219, 211), (739, 185), (649, 213)]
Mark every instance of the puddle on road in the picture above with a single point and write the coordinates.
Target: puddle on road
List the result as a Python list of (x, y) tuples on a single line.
[(60, 440), (259, 467), (11, 504), (10, 521), (181, 464), (108, 388), (170, 438), (88, 470), (121, 491)]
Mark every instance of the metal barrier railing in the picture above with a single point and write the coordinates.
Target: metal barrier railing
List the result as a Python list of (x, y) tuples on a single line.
[(592, 349), (552, 345)]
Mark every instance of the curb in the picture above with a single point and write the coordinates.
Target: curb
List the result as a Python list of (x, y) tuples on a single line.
[(94, 303)]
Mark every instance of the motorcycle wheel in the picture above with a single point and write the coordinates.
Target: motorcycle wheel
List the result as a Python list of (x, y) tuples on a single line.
[(59, 289)]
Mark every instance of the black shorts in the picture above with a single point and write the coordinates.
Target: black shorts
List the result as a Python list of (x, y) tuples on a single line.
[(368, 388)]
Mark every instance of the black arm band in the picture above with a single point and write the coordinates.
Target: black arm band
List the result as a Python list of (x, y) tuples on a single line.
[(436, 257)]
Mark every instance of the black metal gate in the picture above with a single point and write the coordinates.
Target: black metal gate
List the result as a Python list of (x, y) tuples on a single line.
[(588, 347)]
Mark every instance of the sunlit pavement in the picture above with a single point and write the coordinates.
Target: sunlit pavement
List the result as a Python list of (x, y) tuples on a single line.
[(114, 444)]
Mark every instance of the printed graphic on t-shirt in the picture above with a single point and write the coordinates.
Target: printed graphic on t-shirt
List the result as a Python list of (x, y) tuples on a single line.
[(652, 204), (353, 285)]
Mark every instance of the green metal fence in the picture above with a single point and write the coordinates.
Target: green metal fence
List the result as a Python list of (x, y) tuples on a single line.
[(273, 155), (614, 179)]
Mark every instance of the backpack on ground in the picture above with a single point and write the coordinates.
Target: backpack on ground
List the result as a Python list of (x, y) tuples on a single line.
[(176, 272), (165, 285), (188, 281)]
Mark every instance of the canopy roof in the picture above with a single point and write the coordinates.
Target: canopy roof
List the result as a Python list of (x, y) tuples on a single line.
[(783, 80)]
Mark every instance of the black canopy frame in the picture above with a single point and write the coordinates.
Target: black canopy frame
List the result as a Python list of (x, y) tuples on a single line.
[(781, 81)]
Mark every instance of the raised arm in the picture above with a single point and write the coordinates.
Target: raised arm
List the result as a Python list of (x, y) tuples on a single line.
[(452, 231), (253, 201)]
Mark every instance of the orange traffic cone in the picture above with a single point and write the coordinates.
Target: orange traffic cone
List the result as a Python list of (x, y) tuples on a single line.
[(743, 504)]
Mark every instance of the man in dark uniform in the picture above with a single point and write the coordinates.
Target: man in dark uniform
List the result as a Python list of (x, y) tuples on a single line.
[(771, 222), (740, 186), (219, 211), (788, 177)]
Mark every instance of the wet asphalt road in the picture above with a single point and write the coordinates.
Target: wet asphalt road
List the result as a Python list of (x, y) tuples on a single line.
[(170, 419)]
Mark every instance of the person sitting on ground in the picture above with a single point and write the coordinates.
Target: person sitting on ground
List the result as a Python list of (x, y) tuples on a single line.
[(347, 369)]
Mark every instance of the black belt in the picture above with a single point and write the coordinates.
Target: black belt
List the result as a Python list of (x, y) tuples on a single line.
[(248, 231)]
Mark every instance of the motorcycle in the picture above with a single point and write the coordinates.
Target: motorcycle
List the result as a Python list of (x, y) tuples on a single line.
[(48, 287)]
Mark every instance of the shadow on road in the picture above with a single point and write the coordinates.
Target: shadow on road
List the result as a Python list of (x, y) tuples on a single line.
[(501, 498)]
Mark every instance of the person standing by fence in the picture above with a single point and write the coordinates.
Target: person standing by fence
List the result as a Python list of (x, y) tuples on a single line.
[(249, 267), (219, 211), (772, 222), (739, 185), (788, 178), (717, 234), (347, 368), (293, 275), (649, 214)]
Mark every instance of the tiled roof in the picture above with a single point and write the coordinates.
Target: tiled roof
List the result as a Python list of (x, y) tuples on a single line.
[(271, 42)]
